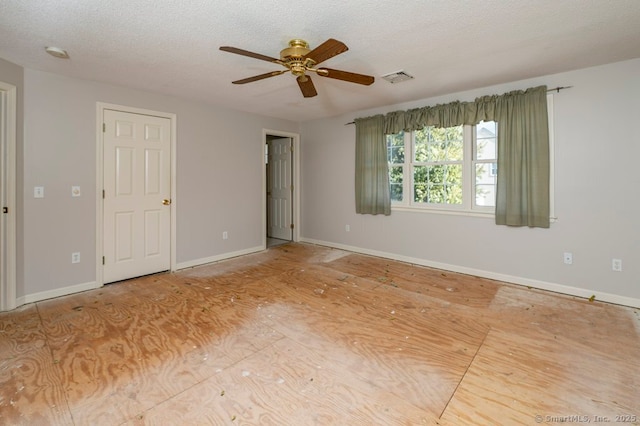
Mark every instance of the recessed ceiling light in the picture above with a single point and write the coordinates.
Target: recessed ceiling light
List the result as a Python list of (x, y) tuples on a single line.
[(397, 77), (57, 52)]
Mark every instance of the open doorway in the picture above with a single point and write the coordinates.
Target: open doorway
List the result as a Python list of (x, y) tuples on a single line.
[(279, 170), (281, 200)]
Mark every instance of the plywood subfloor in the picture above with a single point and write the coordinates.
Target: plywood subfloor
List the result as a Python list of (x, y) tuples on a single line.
[(308, 335)]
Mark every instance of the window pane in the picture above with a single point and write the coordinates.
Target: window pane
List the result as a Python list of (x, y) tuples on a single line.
[(421, 145), (438, 144), (486, 129), (455, 150), (438, 184), (486, 140), (395, 181), (395, 148), (486, 149), (485, 187)]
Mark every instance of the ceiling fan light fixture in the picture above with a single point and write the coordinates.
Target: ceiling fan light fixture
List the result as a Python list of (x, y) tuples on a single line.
[(57, 52), (397, 77)]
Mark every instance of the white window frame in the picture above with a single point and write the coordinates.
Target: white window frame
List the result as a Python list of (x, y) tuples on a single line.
[(468, 175)]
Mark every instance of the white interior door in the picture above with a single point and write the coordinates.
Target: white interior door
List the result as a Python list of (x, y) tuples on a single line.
[(137, 195), (279, 193)]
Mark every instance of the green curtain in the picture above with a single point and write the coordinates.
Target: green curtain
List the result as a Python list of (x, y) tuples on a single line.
[(522, 191), (523, 150), (372, 170)]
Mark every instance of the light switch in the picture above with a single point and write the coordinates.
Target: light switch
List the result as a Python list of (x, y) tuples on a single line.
[(38, 192), (75, 191)]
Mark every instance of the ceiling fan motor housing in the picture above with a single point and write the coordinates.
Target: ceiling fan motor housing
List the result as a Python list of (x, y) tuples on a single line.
[(297, 49), (294, 57)]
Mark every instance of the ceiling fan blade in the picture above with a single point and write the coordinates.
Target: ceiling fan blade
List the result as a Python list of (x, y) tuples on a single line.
[(259, 77), (351, 77), (249, 54), (326, 50), (306, 86)]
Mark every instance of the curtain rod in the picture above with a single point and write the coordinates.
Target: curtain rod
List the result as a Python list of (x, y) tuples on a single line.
[(559, 88), (555, 89)]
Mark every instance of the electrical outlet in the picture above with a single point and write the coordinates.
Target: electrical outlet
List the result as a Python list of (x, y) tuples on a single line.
[(38, 192), (568, 258), (225, 235), (616, 265), (75, 257)]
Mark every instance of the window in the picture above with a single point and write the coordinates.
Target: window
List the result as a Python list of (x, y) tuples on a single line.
[(453, 168), (485, 164)]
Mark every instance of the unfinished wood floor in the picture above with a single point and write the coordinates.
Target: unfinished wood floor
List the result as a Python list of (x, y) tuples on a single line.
[(308, 335)]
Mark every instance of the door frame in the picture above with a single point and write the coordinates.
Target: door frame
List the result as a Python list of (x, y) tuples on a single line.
[(8, 256), (295, 181), (100, 108), (270, 139)]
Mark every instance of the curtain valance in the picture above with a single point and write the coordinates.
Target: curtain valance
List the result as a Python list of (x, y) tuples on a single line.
[(451, 114)]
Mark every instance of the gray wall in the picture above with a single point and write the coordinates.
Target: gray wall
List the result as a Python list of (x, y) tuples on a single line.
[(596, 196), (219, 180), (219, 186)]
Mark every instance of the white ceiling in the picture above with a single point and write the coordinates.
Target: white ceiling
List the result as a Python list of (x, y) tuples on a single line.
[(171, 46)]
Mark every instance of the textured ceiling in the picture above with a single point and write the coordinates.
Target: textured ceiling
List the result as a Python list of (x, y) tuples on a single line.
[(171, 46)]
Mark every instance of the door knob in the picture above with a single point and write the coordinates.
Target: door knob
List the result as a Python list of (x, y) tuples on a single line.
[(166, 202)]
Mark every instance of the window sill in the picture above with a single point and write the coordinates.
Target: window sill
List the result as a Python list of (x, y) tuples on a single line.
[(469, 213)]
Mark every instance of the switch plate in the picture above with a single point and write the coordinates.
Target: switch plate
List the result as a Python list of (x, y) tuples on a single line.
[(75, 191), (616, 265), (347, 228), (225, 235), (75, 257), (38, 192), (568, 258)]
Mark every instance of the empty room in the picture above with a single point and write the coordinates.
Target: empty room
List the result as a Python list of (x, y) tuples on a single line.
[(330, 213)]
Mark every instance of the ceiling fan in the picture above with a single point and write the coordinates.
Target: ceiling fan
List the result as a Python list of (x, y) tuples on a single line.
[(301, 60)]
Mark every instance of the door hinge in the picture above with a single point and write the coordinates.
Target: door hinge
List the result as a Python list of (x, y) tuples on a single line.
[(292, 226), (103, 193), (104, 127), (103, 260), (5, 210), (292, 187)]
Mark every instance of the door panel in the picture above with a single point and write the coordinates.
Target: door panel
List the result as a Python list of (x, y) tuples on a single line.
[(124, 236), (137, 178)]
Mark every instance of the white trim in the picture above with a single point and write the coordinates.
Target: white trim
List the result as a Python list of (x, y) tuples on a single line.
[(542, 285), (58, 292), (295, 138), (8, 258), (100, 107), (217, 258)]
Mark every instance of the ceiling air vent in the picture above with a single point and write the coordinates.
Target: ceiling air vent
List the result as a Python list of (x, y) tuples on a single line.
[(397, 77)]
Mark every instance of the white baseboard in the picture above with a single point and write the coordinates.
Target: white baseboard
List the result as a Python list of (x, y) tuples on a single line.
[(50, 294), (65, 291), (542, 285), (217, 258)]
